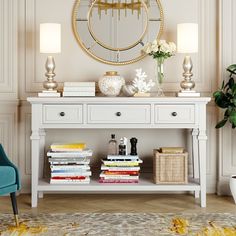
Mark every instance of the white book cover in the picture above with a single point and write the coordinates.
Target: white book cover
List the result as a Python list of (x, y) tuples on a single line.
[(109, 168), (71, 150), (122, 157), (107, 162), (52, 160), (71, 174), (79, 89), (78, 94), (118, 177), (70, 167), (55, 162), (79, 84), (84, 153), (62, 181)]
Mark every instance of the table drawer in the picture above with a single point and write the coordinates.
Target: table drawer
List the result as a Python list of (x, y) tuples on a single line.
[(63, 114), (119, 114), (175, 114)]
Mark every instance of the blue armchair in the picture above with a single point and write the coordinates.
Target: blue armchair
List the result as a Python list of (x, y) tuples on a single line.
[(9, 180)]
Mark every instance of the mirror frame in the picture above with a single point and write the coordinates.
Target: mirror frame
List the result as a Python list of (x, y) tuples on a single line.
[(80, 42)]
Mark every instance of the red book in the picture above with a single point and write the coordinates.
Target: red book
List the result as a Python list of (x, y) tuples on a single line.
[(118, 181), (135, 173)]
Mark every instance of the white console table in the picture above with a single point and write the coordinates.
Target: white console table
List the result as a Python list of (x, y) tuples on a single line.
[(119, 112)]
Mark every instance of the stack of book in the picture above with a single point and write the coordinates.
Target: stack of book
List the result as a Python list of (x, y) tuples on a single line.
[(69, 163), (79, 89), (120, 169)]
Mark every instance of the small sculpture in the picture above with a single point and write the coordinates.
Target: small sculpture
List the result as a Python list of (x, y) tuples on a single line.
[(141, 84), (133, 142)]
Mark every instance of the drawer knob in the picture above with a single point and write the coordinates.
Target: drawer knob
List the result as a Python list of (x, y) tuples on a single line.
[(118, 113), (62, 113), (174, 113)]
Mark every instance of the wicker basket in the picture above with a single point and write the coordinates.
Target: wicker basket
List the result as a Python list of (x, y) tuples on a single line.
[(170, 168)]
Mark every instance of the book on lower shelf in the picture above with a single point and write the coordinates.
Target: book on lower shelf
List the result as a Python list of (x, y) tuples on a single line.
[(67, 147), (70, 181), (68, 166), (119, 169)]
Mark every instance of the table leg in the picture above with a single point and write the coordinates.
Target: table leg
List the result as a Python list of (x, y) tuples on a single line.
[(35, 154), (202, 164), (195, 158)]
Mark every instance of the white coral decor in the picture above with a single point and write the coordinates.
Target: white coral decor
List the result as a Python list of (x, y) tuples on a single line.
[(140, 82)]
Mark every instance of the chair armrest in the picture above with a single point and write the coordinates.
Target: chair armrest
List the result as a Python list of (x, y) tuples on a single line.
[(4, 161)]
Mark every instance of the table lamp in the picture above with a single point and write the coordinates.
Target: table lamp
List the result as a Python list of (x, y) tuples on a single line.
[(50, 43), (187, 42)]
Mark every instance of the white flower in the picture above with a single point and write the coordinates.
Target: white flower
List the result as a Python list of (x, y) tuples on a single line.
[(161, 42), (165, 48), (155, 48), (172, 47)]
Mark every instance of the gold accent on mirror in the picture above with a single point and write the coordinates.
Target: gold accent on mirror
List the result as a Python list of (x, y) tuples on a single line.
[(116, 48), (133, 5), (97, 44)]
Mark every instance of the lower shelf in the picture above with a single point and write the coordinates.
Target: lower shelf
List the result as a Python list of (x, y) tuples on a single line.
[(144, 185)]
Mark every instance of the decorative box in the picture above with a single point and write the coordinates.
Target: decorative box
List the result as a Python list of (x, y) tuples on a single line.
[(170, 168)]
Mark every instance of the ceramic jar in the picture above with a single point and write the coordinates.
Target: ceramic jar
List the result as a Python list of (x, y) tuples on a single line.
[(111, 83)]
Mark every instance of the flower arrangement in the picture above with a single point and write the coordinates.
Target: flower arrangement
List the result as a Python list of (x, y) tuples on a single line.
[(160, 49), (140, 82)]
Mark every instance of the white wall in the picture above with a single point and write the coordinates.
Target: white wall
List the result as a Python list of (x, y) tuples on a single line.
[(227, 151), (74, 65)]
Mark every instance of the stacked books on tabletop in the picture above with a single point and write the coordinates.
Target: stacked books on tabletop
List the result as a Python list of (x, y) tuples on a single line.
[(79, 89), (69, 163), (120, 169)]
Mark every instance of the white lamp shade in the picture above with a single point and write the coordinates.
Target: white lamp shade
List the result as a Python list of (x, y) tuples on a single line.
[(187, 38), (50, 38)]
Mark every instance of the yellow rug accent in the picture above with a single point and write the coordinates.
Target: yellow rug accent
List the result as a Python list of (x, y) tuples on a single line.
[(180, 226), (214, 230), (23, 230)]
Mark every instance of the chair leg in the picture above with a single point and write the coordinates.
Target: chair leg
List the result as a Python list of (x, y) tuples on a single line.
[(14, 207)]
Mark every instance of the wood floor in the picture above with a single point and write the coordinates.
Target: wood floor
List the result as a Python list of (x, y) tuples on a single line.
[(72, 203)]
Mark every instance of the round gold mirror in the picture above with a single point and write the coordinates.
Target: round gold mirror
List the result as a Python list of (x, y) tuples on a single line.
[(115, 31)]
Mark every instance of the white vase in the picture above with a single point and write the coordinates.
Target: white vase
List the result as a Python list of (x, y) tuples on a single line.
[(111, 83), (232, 185)]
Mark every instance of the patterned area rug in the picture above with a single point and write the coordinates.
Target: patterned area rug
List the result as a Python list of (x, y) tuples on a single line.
[(120, 224)]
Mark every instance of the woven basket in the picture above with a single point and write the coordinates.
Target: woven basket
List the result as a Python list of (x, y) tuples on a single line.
[(170, 168)]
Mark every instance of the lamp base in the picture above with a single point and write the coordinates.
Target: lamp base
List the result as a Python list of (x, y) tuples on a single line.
[(50, 84), (190, 93)]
